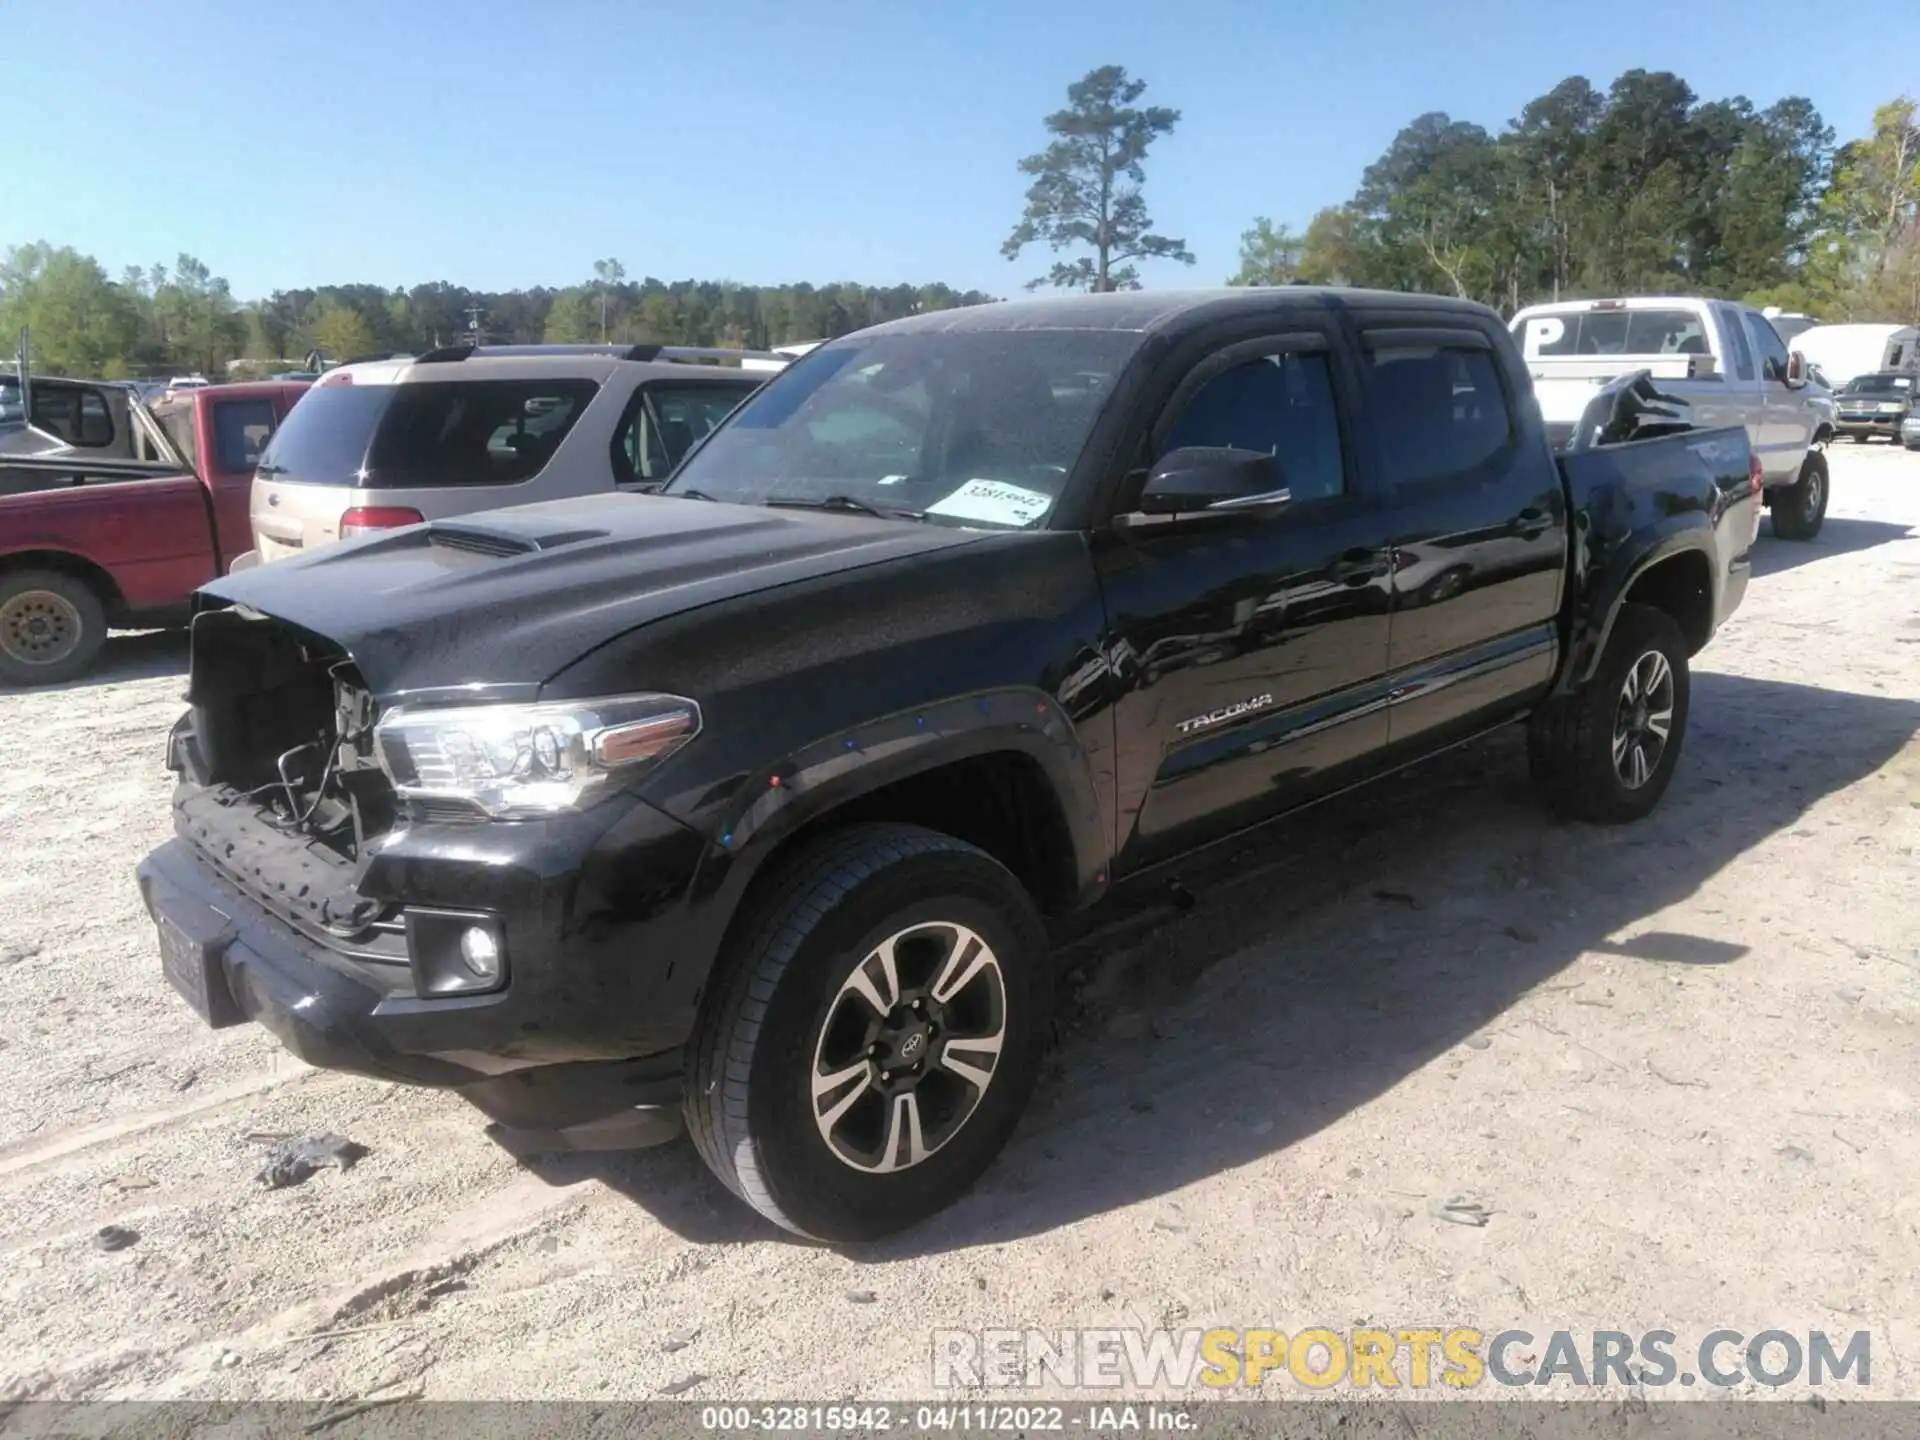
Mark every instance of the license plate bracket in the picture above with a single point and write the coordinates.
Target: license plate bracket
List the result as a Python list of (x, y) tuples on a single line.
[(190, 955)]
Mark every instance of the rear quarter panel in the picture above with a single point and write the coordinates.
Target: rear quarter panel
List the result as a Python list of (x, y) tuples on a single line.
[(1638, 505)]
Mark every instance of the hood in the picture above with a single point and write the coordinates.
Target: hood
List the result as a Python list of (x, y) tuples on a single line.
[(506, 598)]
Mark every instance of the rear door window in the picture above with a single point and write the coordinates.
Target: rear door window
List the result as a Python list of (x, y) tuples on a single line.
[(241, 430), (78, 414), (663, 423), (1441, 412), (473, 432), (1736, 334)]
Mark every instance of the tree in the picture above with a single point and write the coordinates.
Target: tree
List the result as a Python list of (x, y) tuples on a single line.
[(81, 322), (1088, 186), (609, 273), (1269, 254), (1639, 187), (337, 330), (196, 310), (1876, 190), (570, 318)]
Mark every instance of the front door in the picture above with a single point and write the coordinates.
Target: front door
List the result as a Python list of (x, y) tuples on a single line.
[(1479, 529), (1251, 652), (1787, 420)]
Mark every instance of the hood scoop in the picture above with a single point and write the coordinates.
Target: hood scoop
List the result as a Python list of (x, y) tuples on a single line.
[(504, 540)]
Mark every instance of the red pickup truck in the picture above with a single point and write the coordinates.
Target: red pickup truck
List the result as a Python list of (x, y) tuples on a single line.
[(116, 523)]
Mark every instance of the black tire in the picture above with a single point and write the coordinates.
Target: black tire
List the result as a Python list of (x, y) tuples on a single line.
[(1571, 741), (1800, 509), (51, 627), (782, 991)]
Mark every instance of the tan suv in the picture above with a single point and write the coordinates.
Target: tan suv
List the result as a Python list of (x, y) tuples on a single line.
[(387, 443)]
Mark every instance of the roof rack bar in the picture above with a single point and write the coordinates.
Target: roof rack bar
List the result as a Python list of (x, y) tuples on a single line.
[(714, 352), (619, 351)]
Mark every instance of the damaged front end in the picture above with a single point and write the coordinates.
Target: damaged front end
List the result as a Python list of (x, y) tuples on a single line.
[(283, 787), (446, 894)]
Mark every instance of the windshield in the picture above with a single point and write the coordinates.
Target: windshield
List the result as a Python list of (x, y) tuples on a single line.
[(1895, 387), (970, 428)]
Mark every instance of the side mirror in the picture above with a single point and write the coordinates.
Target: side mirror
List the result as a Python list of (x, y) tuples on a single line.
[(1212, 478), (1796, 369)]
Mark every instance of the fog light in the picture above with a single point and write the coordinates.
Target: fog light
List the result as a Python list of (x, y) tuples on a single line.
[(456, 952), (481, 952)]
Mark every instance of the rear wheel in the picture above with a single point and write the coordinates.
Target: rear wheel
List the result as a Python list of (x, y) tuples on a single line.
[(1607, 752), (874, 1036), (51, 627), (1801, 508)]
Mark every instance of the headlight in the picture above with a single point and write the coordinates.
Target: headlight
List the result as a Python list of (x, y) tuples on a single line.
[(515, 761)]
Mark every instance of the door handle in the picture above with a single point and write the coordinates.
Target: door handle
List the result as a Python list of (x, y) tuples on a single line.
[(1356, 566), (1529, 524)]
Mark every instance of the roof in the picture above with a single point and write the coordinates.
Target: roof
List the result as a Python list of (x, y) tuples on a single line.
[(1149, 310), (239, 390)]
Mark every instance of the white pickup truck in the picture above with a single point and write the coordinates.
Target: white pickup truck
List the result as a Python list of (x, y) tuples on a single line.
[(1724, 359)]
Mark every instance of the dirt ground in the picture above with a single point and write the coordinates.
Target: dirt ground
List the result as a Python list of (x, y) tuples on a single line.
[(1676, 1065)]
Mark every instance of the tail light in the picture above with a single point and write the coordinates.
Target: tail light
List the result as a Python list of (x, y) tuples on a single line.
[(364, 518), (1756, 482)]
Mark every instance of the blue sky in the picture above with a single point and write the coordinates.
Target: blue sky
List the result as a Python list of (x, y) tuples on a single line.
[(500, 143)]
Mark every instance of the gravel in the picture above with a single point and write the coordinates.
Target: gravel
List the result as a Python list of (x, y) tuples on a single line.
[(1427, 1057)]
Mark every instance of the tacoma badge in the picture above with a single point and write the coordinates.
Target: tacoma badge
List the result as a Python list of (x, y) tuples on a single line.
[(1226, 713)]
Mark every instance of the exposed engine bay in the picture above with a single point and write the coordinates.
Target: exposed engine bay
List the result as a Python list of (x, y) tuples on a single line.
[(282, 726)]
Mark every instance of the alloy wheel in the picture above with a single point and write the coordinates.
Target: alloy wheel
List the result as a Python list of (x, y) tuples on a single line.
[(910, 1043), (1642, 719)]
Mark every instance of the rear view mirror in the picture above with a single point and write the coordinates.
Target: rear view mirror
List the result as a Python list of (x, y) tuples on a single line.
[(1796, 368), (1212, 478)]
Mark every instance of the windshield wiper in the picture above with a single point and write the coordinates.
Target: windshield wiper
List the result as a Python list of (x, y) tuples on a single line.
[(840, 502), (687, 494)]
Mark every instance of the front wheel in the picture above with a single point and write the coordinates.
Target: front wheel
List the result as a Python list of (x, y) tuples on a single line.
[(1607, 752), (51, 627), (874, 1036), (1800, 509)]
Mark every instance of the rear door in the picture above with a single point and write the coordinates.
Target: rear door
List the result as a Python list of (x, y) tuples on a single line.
[(1255, 649), (1479, 527)]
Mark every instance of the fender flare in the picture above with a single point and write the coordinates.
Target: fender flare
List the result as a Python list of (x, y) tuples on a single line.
[(794, 791), (1673, 536)]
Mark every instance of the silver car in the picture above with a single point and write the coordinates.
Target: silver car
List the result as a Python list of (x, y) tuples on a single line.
[(387, 443)]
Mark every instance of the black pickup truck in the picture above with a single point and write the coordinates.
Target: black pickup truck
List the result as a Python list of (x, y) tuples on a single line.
[(756, 801)]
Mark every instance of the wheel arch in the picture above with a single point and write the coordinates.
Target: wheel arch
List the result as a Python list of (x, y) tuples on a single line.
[(66, 562), (1004, 770), (1673, 571)]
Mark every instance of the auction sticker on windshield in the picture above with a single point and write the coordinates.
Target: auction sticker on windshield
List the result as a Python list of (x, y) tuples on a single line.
[(995, 501)]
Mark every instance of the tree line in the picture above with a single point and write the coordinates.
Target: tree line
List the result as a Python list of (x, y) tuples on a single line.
[(1639, 187), (168, 320)]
